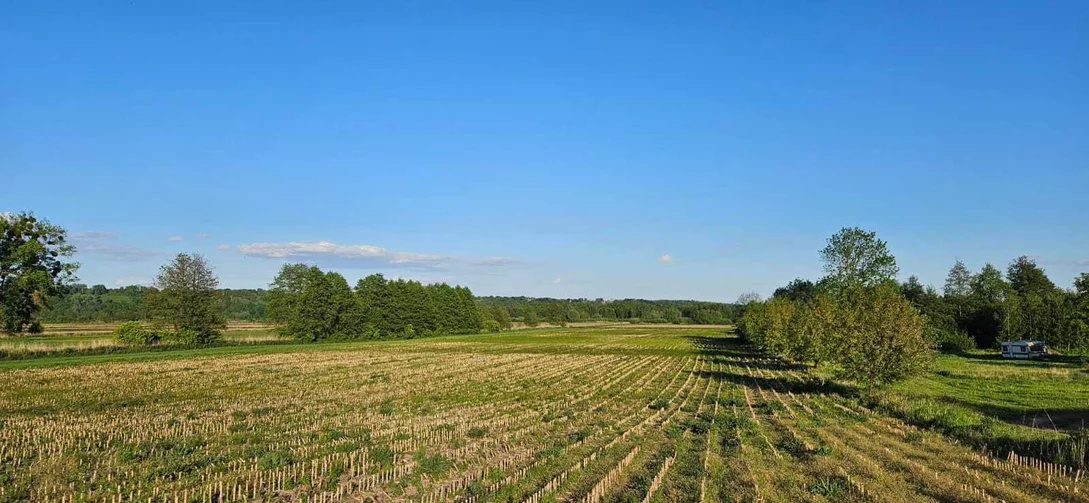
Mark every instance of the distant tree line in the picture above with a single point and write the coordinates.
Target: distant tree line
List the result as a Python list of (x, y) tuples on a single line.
[(82, 303), (310, 304), (981, 309), (531, 310)]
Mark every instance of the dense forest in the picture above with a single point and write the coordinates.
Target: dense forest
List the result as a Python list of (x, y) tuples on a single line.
[(983, 308), (82, 303), (560, 311)]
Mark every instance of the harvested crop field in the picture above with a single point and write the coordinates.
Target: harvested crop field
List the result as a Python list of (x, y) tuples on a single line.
[(580, 414)]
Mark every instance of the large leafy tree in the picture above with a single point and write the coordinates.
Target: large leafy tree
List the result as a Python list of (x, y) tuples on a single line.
[(327, 308), (312, 305), (798, 289), (958, 284), (1078, 322), (1027, 278), (284, 298), (32, 268), (989, 287), (186, 298), (855, 258), (987, 313)]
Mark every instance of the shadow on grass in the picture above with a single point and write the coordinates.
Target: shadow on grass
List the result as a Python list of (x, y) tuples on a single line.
[(782, 385), (737, 348), (738, 371), (1075, 360), (1064, 419)]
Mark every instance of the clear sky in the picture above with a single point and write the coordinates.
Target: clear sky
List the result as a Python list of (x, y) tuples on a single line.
[(599, 149)]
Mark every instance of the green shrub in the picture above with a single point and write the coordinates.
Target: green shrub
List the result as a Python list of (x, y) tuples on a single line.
[(491, 326), (192, 337), (134, 333), (950, 340)]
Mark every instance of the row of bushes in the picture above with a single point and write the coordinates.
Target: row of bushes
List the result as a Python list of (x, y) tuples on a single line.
[(872, 336), (134, 333)]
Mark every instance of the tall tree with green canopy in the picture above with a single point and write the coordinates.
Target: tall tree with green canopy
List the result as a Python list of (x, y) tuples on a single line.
[(468, 312), (1027, 278), (855, 258), (374, 299), (283, 297), (313, 305), (958, 283), (32, 269), (327, 308), (989, 302), (798, 289), (957, 289), (1078, 321), (989, 287), (913, 290), (187, 298)]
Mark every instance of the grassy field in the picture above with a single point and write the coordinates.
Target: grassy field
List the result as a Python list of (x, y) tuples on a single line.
[(97, 336), (594, 414), (999, 404)]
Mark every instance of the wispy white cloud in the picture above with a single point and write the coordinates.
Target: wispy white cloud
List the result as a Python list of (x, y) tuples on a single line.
[(365, 256), (177, 238), (223, 247), (492, 261), (666, 258), (557, 281), (93, 235), (203, 235), (1060, 261), (106, 244)]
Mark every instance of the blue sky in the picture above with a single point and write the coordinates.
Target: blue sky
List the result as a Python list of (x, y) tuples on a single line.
[(561, 149)]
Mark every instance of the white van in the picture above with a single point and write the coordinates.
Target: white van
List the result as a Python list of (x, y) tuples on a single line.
[(1024, 349)]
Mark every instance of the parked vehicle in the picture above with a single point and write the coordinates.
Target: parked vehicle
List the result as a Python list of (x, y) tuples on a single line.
[(1024, 349)]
